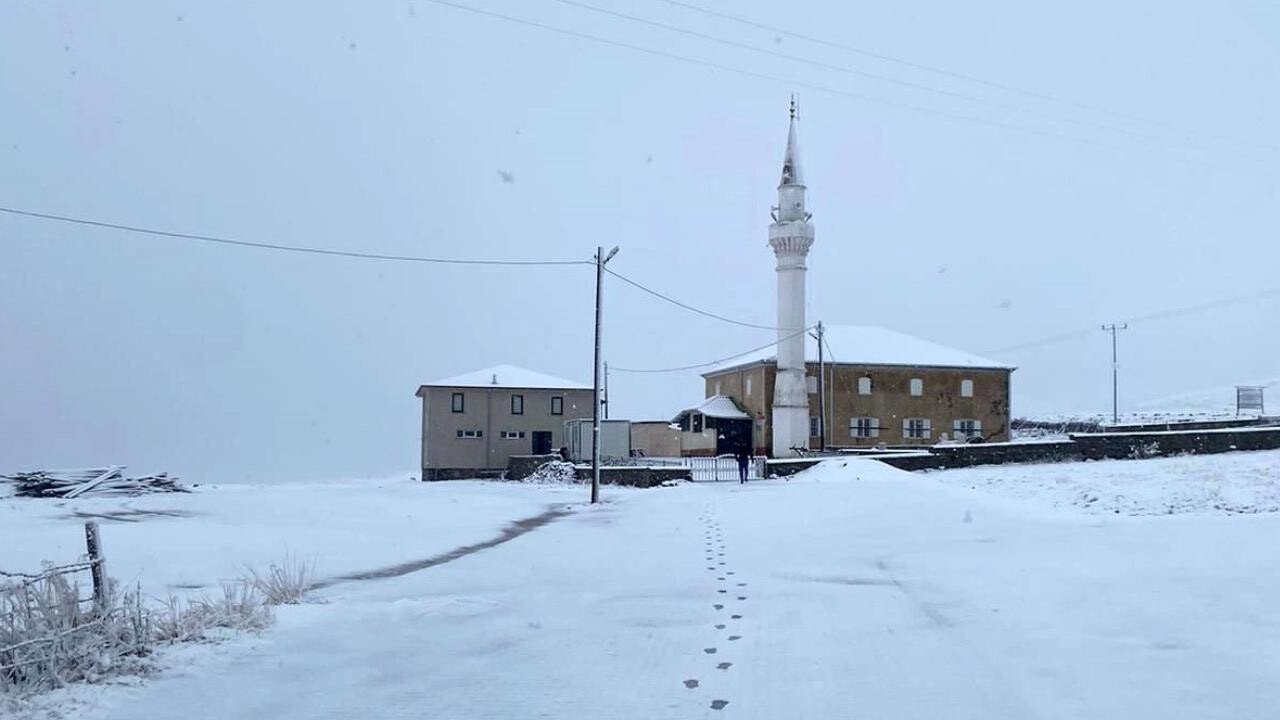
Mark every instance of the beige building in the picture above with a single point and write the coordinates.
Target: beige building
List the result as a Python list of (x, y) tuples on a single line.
[(474, 422), (655, 438), (881, 387)]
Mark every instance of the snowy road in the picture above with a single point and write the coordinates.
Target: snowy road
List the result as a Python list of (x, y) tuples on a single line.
[(868, 594)]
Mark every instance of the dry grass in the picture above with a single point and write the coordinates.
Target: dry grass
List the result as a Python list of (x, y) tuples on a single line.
[(283, 584), (51, 636)]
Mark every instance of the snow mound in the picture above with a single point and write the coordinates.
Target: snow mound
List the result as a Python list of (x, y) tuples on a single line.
[(850, 470), (556, 472)]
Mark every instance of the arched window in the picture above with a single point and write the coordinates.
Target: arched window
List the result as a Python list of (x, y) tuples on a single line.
[(864, 386), (748, 385), (966, 388), (917, 387)]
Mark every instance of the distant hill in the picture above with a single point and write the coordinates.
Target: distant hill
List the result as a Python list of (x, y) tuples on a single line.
[(1212, 401)]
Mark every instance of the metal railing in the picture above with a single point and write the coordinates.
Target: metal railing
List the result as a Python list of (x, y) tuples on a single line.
[(722, 468)]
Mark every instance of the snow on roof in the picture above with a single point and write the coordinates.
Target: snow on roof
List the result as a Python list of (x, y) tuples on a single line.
[(719, 406), (871, 345), (508, 376)]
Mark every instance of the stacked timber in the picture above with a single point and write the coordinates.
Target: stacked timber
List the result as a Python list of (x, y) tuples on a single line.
[(96, 482)]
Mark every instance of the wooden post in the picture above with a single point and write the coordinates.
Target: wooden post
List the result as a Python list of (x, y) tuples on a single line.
[(97, 565)]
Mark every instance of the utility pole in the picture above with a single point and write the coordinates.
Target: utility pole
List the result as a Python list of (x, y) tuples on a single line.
[(601, 259), (822, 393), (1113, 328)]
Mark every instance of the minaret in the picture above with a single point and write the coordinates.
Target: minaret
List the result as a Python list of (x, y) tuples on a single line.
[(791, 236)]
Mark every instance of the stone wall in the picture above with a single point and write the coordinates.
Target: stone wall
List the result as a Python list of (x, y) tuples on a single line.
[(635, 476), (1118, 446)]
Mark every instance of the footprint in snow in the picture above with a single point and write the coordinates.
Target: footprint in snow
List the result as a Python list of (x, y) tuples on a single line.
[(724, 666), (734, 637), (709, 651), (691, 684), (735, 617), (718, 606), (720, 626), (718, 704)]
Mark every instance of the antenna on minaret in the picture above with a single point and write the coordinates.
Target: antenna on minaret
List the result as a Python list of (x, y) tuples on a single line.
[(793, 106)]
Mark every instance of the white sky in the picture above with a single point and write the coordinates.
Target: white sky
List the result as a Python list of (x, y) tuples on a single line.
[(384, 127)]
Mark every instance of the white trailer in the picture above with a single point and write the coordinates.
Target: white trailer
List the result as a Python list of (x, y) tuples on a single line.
[(615, 439)]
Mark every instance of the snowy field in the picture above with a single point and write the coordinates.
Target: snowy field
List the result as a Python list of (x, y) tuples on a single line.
[(852, 591), (1241, 482)]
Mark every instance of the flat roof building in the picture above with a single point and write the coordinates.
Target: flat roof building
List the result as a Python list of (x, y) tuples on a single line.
[(474, 422)]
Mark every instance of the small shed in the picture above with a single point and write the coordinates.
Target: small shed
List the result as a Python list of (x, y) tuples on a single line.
[(716, 427)]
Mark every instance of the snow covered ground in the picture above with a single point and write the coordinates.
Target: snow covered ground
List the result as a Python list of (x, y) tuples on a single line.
[(1241, 482), (853, 590)]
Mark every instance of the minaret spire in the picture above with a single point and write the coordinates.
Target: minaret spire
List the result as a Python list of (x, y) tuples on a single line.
[(791, 236)]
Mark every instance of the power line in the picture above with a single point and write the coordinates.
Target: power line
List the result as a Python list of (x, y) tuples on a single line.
[(713, 362), (1040, 95), (829, 90), (1158, 315), (686, 306), (889, 79), (279, 247), (368, 256)]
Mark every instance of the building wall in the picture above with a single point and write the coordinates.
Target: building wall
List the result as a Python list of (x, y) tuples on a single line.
[(489, 410), (890, 401), (655, 439), (735, 384)]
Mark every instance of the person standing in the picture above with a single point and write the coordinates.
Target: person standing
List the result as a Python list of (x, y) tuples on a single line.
[(744, 463)]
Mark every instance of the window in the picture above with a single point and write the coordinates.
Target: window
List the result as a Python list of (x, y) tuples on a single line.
[(968, 428), (917, 387), (814, 429), (512, 434), (864, 386), (748, 387), (470, 433), (517, 404), (864, 427), (557, 405), (697, 422), (915, 428), (966, 388), (717, 392), (811, 384), (459, 402)]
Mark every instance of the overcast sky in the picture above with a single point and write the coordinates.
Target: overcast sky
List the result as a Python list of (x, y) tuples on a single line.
[(418, 129)]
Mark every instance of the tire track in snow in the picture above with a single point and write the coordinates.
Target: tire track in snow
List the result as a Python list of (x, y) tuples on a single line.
[(509, 533)]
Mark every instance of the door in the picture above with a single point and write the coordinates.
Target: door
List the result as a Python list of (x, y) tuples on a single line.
[(541, 442)]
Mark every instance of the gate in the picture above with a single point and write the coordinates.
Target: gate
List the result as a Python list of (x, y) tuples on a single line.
[(723, 467)]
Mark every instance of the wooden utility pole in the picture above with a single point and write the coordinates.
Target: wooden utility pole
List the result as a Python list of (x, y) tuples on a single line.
[(97, 569), (601, 259), (1115, 372), (822, 394)]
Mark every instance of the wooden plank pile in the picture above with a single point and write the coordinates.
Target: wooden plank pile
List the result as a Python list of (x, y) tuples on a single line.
[(96, 482)]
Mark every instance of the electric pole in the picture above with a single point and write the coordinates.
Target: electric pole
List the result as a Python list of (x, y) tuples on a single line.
[(822, 393), (1115, 373), (601, 259)]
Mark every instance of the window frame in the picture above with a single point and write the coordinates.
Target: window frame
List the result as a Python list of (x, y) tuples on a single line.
[(557, 404), (511, 435), (865, 385), (909, 432), (470, 434), (966, 388), (915, 387), (458, 402), (974, 431), (857, 429), (517, 397)]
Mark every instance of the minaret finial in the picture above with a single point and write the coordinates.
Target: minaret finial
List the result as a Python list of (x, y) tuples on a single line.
[(793, 106)]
